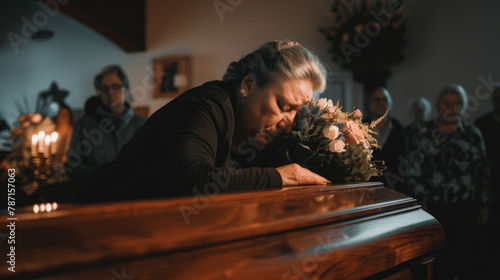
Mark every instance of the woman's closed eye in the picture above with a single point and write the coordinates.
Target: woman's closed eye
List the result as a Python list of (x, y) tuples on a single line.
[(284, 108)]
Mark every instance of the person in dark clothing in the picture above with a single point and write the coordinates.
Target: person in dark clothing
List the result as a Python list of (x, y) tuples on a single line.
[(449, 176), (106, 126), (391, 138), (92, 104), (419, 110), (489, 125), (185, 147)]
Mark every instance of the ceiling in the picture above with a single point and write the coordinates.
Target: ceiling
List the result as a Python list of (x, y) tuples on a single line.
[(123, 22)]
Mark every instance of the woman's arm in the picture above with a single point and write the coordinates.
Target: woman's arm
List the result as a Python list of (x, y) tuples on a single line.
[(206, 134)]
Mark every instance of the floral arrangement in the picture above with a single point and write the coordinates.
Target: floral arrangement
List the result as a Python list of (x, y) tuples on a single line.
[(33, 140), (367, 37), (332, 143)]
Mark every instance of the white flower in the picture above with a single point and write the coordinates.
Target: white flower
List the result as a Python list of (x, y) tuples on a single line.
[(321, 103), (331, 132), (330, 106), (358, 114), (336, 146)]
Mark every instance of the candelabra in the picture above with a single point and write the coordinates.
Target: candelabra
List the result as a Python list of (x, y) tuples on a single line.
[(41, 167)]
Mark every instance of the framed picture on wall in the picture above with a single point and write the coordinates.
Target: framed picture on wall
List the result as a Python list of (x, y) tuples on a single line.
[(171, 75), (340, 88)]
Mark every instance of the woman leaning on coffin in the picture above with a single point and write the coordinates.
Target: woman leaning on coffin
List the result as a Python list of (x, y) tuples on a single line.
[(187, 146)]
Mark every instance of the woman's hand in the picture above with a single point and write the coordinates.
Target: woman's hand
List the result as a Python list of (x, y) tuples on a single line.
[(293, 175)]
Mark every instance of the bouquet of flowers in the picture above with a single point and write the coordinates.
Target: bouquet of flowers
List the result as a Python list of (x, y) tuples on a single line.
[(334, 144)]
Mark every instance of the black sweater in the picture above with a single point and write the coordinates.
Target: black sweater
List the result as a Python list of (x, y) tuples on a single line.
[(182, 149)]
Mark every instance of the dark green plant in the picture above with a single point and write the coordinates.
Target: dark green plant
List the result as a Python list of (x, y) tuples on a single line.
[(366, 38)]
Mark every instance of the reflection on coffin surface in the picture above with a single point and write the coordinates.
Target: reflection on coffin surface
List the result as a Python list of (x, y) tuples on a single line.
[(350, 231)]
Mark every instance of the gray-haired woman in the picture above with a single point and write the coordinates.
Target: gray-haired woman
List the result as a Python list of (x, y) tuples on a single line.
[(419, 110), (185, 147), (450, 178)]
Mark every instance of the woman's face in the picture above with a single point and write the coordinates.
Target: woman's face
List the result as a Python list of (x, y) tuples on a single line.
[(449, 107), (268, 111), (417, 113), (379, 103), (112, 92)]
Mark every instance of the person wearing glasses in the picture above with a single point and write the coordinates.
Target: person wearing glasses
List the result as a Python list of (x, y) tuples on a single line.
[(391, 138), (449, 176), (188, 146), (100, 134)]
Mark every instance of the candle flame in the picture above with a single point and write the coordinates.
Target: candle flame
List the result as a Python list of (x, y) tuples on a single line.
[(34, 139), (41, 135), (54, 136), (47, 207), (47, 139)]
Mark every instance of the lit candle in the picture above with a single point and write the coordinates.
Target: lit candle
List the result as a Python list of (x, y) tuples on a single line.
[(34, 145), (53, 145), (47, 146), (41, 145)]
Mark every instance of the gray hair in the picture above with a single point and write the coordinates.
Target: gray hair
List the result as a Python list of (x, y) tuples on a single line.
[(112, 69), (278, 58), (456, 89), (423, 104)]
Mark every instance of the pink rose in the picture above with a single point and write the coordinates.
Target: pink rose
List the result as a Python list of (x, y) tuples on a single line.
[(336, 146), (353, 133), (330, 106), (331, 132), (358, 114), (36, 118), (321, 103)]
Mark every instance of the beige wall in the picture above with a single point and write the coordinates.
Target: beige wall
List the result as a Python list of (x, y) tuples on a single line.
[(195, 28), (448, 42)]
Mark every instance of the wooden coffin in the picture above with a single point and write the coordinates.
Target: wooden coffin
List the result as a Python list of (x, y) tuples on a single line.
[(350, 231)]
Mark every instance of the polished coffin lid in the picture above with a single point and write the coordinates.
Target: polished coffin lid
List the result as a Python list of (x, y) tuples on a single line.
[(348, 231)]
